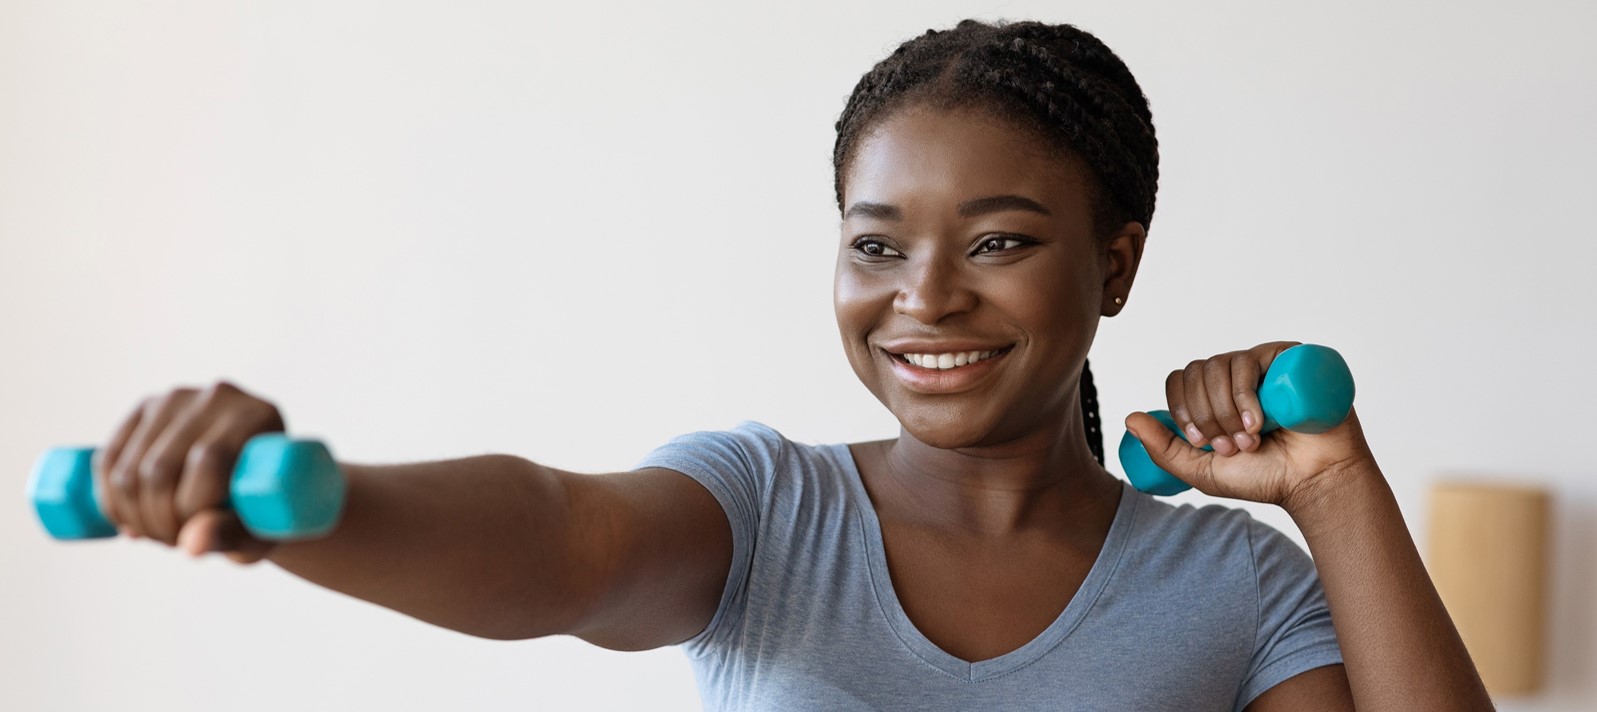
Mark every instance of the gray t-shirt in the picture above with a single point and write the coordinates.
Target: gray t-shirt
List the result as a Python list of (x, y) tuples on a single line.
[(1185, 609)]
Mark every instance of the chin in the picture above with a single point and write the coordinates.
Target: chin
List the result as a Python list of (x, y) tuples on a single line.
[(947, 428)]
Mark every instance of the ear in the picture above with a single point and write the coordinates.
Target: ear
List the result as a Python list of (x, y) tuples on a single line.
[(1122, 254)]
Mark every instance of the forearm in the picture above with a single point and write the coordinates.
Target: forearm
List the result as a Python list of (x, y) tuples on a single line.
[(1400, 648), (481, 545)]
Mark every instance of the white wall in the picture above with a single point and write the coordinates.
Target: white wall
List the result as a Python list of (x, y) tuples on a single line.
[(435, 230)]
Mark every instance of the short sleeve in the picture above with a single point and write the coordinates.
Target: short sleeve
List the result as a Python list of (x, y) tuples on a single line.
[(736, 466), (1294, 625)]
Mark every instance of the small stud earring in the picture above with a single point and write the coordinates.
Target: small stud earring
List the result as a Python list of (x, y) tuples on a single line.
[(1119, 301)]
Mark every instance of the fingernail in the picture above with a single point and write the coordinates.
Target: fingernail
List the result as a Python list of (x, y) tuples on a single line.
[(1223, 445), (1243, 440), (1247, 419), (1193, 436)]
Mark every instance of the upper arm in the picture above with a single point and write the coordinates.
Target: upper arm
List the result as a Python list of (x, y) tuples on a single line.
[(1323, 689), (655, 548)]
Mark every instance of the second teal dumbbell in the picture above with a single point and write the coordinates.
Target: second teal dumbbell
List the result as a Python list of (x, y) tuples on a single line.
[(1308, 389), (281, 489)]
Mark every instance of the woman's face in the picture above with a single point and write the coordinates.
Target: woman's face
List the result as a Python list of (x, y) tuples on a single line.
[(963, 242)]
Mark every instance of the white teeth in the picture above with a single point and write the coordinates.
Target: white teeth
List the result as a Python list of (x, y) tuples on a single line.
[(944, 362)]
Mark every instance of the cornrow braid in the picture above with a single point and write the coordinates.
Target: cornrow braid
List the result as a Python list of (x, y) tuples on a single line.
[(1059, 81), (1089, 412)]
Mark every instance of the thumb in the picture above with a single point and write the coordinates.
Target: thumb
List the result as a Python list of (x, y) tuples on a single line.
[(1171, 452), (220, 530)]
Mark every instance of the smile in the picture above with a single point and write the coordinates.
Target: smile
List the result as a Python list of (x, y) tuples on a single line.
[(946, 372), (943, 362)]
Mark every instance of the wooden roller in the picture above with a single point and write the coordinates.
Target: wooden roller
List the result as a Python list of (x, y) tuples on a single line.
[(1488, 557)]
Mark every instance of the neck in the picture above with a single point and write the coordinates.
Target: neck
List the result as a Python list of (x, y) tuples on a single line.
[(1041, 480)]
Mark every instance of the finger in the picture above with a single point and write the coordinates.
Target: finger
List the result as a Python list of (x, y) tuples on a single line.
[(208, 471), (1198, 404), (1264, 354), (220, 530), (198, 535), (1172, 454), (1245, 377), (124, 474), (1222, 403), (105, 458), (163, 467), (1175, 393)]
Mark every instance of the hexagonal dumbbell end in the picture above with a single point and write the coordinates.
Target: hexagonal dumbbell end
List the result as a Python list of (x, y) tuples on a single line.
[(62, 491), (281, 489), (287, 489), (1308, 389)]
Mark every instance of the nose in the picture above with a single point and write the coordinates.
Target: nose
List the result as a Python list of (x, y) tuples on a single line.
[(933, 291)]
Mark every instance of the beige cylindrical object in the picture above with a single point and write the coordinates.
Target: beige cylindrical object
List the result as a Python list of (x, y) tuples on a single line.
[(1488, 557)]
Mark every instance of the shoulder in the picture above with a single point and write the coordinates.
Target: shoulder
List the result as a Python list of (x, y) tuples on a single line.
[(749, 446), (1214, 523), (752, 459), (1214, 541)]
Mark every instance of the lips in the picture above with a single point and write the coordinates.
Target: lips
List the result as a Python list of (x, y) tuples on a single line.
[(921, 367)]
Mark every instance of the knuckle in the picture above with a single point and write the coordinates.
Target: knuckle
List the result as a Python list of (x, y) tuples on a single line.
[(208, 457), (1173, 448), (268, 415), (219, 389), (156, 469), (123, 481)]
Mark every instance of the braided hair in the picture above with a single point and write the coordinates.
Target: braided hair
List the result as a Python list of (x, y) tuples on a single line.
[(1057, 81)]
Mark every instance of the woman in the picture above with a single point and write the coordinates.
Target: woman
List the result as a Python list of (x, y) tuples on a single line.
[(996, 185)]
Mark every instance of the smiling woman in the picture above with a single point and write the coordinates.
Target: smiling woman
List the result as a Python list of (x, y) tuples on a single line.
[(996, 184), (976, 242)]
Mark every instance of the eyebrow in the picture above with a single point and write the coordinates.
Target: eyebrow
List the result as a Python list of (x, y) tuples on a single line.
[(968, 209)]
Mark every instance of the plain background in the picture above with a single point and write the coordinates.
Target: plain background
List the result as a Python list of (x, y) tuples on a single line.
[(571, 231)]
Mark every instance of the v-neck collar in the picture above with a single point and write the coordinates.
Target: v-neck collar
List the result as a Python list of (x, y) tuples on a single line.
[(1103, 568)]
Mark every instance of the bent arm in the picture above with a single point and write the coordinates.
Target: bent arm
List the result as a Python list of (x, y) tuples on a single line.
[(1399, 646), (500, 547)]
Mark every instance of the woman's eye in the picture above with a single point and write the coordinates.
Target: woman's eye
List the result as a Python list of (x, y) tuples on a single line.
[(999, 244), (874, 248)]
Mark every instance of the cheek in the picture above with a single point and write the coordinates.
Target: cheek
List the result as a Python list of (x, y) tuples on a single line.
[(854, 299), (858, 303), (1049, 298)]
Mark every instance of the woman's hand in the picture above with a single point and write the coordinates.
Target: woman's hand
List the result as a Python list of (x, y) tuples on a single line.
[(1215, 402), (166, 473)]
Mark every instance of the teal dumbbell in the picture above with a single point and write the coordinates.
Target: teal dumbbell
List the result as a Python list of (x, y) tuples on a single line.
[(1308, 389), (281, 489)]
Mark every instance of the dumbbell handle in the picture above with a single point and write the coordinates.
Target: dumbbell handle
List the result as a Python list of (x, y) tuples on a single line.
[(281, 489), (1307, 389)]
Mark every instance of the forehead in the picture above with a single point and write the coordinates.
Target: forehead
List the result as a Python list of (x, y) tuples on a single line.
[(929, 159)]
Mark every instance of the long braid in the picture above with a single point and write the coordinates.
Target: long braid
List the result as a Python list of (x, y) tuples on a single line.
[(1057, 80), (1089, 412)]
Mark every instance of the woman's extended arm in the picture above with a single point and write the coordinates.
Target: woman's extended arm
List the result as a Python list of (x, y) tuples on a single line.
[(494, 546), (500, 547)]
